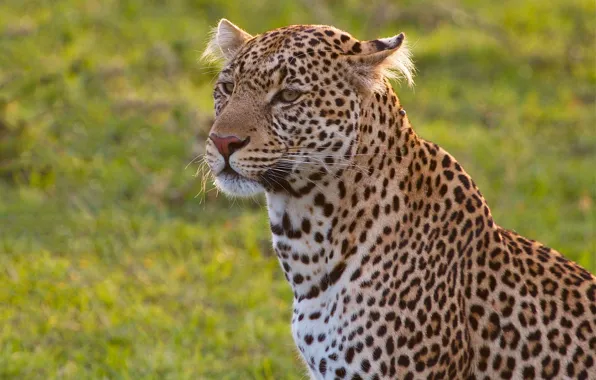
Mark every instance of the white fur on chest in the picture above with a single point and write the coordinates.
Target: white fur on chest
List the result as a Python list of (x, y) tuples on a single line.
[(314, 337), (323, 325)]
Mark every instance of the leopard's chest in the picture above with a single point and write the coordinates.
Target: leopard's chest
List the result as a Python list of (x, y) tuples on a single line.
[(320, 329)]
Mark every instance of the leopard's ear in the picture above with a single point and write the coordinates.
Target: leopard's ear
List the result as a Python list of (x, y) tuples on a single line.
[(370, 61), (226, 39)]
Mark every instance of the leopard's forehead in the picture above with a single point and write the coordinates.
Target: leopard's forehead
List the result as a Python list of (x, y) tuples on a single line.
[(307, 43)]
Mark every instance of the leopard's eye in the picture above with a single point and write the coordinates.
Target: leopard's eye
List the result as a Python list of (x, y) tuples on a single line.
[(227, 87), (288, 96)]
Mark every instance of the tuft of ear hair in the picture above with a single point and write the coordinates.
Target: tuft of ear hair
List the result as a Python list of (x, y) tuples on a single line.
[(381, 58), (224, 42)]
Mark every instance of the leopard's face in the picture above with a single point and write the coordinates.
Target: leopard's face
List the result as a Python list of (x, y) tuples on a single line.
[(286, 112)]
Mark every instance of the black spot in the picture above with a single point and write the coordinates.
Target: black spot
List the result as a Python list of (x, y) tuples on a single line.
[(365, 365), (319, 199), (529, 373), (443, 190), (379, 45), (313, 292), (342, 189), (336, 273), (350, 355), (389, 346), (355, 275), (446, 161), (306, 226), (277, 229), (328, 209), (403, 361), (323, 366), (464, 180), (377, 353), (459, 194)]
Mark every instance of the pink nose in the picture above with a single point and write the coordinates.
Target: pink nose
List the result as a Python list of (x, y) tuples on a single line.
[(227, 145)]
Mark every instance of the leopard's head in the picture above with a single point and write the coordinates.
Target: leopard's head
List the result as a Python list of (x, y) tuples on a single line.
[(288, 102)]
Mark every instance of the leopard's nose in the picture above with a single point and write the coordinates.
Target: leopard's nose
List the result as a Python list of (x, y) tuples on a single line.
[(227, 145)]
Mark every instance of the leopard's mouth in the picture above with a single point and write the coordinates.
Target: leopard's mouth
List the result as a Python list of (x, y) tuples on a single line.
[(273, 178), (227, 170), (232, 183), (235, 185), (228, 173)]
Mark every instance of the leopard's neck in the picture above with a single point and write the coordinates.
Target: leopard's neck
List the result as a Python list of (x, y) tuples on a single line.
[(327, 231)]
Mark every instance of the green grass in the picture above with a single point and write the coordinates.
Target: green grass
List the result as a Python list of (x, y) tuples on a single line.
[(115, 263)]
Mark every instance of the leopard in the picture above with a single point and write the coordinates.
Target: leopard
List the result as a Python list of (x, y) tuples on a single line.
[(396, 266)]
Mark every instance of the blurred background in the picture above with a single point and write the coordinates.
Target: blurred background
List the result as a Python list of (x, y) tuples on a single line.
[(118, 260)]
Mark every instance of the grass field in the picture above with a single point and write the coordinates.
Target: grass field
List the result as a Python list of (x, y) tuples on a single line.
[(116, 262)]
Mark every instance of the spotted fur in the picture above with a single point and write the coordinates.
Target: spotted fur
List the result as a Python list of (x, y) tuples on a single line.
[(397, 267)]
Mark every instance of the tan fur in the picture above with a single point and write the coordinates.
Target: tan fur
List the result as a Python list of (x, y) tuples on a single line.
[(397, 268)]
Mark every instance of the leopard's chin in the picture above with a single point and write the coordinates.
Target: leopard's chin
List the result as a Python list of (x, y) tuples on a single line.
[(234, 185)]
